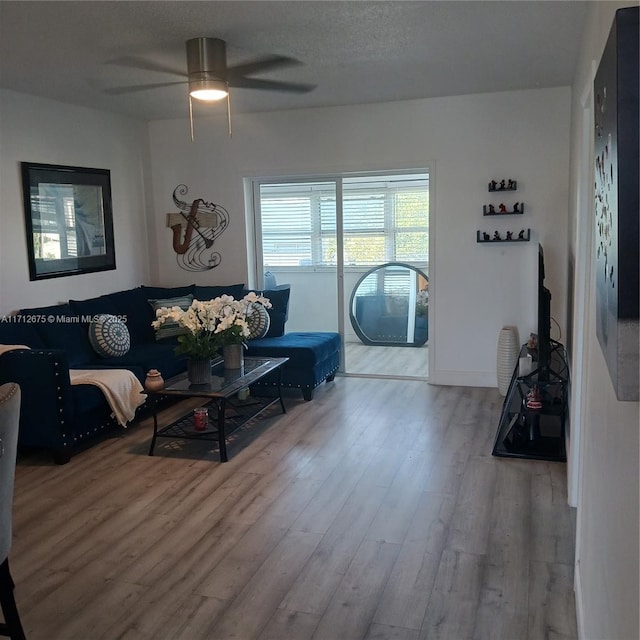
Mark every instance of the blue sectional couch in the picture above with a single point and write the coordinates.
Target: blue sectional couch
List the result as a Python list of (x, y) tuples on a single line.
[(313, 358), (63, 417)]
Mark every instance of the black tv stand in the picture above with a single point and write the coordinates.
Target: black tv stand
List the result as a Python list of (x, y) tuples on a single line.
[(537, 434)]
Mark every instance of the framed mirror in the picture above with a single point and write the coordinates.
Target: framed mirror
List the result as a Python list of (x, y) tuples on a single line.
[(69, 220), (389, 306)]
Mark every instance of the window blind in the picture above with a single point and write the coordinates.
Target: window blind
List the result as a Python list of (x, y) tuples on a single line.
[(385, 219)]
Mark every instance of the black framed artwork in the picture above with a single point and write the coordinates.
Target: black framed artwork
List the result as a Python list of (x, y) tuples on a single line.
[(68, 219), (616, 206)]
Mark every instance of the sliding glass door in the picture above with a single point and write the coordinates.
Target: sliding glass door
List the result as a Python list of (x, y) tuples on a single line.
[(297, 247), (323, 238)]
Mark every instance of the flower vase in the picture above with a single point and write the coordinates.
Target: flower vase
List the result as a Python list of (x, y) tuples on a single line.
[(199, 370), (233, 355), (508, 350)]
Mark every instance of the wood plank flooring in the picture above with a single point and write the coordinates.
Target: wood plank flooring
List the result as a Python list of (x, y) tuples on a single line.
[(387, 361), (375, 511)]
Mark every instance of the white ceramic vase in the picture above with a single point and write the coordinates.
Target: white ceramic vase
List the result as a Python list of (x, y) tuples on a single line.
[(508, 351)]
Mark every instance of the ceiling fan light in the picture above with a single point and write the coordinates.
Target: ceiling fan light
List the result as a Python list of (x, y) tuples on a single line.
[(208, 90)]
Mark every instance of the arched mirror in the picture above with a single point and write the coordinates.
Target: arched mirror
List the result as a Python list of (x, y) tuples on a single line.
[(389, 306)]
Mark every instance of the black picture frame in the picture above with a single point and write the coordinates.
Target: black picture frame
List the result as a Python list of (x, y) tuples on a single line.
[(68, 220), (617, 150)]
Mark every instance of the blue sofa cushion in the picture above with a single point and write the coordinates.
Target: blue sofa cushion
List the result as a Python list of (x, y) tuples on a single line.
[(62, 330), (93, 307), (86, 397), (143, 357), (304, 350), (166, 292), (133, 308), (278, 312), (214, 291), (22, 332)]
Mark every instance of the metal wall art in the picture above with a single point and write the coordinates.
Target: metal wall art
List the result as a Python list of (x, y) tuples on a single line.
[(195, 228)]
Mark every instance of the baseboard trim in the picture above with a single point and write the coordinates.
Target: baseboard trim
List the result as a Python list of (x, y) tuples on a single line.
[(577, 588)]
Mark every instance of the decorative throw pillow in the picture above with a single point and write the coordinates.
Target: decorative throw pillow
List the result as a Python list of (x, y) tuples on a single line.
[(258, 320), (279, 310), (109, 336), (170, 329)]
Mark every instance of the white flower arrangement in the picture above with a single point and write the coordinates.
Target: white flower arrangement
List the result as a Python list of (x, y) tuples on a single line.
[(211, 324)]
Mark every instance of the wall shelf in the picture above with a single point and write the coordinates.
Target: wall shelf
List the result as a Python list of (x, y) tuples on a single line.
[(486, 212), (491, 240), (509, 185)]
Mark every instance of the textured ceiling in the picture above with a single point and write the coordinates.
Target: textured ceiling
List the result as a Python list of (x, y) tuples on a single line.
[(355, 52)]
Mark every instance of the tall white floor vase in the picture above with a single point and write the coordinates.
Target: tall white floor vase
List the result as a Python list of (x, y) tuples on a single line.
[(508, 351)]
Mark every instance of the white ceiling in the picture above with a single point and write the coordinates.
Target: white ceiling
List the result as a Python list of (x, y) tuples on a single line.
[(355, 52)]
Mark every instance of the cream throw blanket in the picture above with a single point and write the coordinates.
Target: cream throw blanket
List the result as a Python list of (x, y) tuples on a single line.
[(11, 347), (120, 387)]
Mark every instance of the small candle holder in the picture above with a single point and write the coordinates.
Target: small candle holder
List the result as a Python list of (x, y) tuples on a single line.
[(200, 419)]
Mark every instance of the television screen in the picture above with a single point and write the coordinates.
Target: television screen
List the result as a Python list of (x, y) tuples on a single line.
[(544, 321)]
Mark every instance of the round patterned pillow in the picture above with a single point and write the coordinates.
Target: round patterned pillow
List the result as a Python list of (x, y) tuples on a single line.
[(258, 320), (109, 336)]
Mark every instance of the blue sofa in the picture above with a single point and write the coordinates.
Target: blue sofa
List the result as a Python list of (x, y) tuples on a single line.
[(63, 418)]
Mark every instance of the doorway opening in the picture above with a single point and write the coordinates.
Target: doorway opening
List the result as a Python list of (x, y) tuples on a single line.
[(325, 237)]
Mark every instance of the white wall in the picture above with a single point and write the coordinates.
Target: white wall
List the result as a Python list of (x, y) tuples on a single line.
[(34, 129), (466, 140), (607, 590)]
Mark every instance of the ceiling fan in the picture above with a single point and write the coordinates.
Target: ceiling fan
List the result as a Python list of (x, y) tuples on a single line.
[(208, 76)]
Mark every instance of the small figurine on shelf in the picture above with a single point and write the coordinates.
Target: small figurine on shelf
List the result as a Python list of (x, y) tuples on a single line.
[(511, 184), (496, 236), (516, 207), (509, 235), (493, 185), (492, 209), (502, 208), (521, 235), (502, 185), (486, 236)]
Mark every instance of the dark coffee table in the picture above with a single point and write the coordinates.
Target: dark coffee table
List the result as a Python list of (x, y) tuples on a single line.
[(226, 414)]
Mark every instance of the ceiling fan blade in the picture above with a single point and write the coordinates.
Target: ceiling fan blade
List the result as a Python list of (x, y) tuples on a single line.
[(271, 85), (263, 64), (116, 91), (140, 63)]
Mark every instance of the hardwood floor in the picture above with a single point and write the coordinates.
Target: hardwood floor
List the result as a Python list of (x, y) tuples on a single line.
[(387, 361), (376, 511)]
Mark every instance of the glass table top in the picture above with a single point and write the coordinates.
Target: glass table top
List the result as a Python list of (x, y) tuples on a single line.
[(224, 382)]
